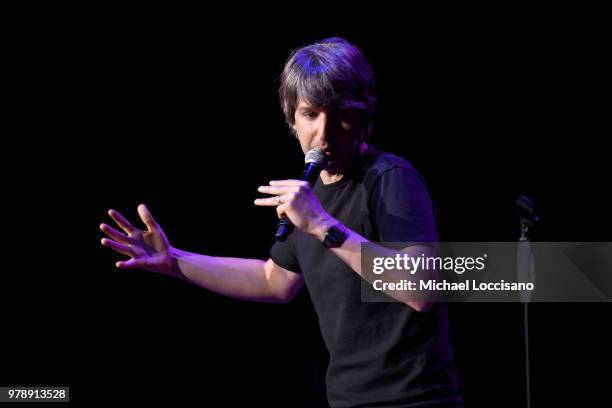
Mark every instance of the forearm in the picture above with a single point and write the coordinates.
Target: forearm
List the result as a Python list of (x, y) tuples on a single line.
[(234, 277), (350, 253)]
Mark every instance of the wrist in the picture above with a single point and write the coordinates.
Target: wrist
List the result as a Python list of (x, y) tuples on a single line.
[(173, 268), (322, 226)]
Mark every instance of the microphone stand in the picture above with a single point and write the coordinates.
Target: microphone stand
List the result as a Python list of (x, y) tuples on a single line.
[(525, 241), (525, 260)]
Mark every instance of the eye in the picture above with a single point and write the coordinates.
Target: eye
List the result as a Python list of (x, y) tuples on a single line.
[(347, 121), (310, 114), (346, 124)]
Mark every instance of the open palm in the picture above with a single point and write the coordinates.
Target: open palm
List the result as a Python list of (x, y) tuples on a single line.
[(148, 249)]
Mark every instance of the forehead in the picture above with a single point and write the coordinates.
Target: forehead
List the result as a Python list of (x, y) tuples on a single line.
[(304, 104)]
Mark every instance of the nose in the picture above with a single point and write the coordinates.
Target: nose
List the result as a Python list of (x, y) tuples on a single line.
[(324, 131)]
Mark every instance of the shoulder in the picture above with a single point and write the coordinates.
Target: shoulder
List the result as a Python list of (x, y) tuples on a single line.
[(377, 164)]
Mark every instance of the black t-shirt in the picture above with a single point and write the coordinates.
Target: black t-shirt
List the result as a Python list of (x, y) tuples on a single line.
[(382, 353)]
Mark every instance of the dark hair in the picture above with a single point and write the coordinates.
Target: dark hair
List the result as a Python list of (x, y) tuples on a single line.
[(331, 74)]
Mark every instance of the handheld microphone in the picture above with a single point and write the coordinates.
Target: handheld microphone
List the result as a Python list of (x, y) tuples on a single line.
[(527, 215), (525, 209), (314, 162)]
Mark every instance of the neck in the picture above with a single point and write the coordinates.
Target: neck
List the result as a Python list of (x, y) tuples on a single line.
[(328, 178)]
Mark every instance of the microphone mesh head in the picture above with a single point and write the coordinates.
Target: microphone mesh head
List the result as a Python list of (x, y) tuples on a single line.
[(316, 156)]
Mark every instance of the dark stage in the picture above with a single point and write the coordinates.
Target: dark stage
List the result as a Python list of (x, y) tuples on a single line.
[(186, 120)]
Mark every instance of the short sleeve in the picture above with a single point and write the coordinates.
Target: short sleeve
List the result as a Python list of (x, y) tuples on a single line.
[(283, 255), (402, 208)]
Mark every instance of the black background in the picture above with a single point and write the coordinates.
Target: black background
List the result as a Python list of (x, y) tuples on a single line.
[(110, 111)]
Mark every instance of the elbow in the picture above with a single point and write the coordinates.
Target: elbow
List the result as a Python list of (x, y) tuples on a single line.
[(283, 296), (280, 299), (283, 300), (421, 307), (286, 296)]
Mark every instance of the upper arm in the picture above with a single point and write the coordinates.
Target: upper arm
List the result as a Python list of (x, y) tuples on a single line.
[(402, 208), (425, 251), (283, 283)]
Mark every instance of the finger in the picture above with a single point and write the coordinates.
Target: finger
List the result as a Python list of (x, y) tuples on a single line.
[(116, 235), (272, 201), (121, 221), (129, 264), (135, 263), (281, 210), (287, 183), (147, 217), (116, 246), (278, 190), (267, 202)]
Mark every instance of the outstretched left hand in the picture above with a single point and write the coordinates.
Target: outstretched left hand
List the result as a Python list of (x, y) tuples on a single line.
[(295, 199)]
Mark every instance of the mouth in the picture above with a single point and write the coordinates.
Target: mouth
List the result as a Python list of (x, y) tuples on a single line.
[(329, 154)]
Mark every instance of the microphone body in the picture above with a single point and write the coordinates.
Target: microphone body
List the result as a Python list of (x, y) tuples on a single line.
[(314, 162), (527, 215), (525, 209)]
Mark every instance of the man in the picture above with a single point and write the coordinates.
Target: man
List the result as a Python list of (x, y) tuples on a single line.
[(384, 354)]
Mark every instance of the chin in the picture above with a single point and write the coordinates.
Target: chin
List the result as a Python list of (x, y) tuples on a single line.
[(332, 168)]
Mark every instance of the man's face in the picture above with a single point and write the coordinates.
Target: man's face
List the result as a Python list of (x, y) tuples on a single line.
[(338, 133)]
